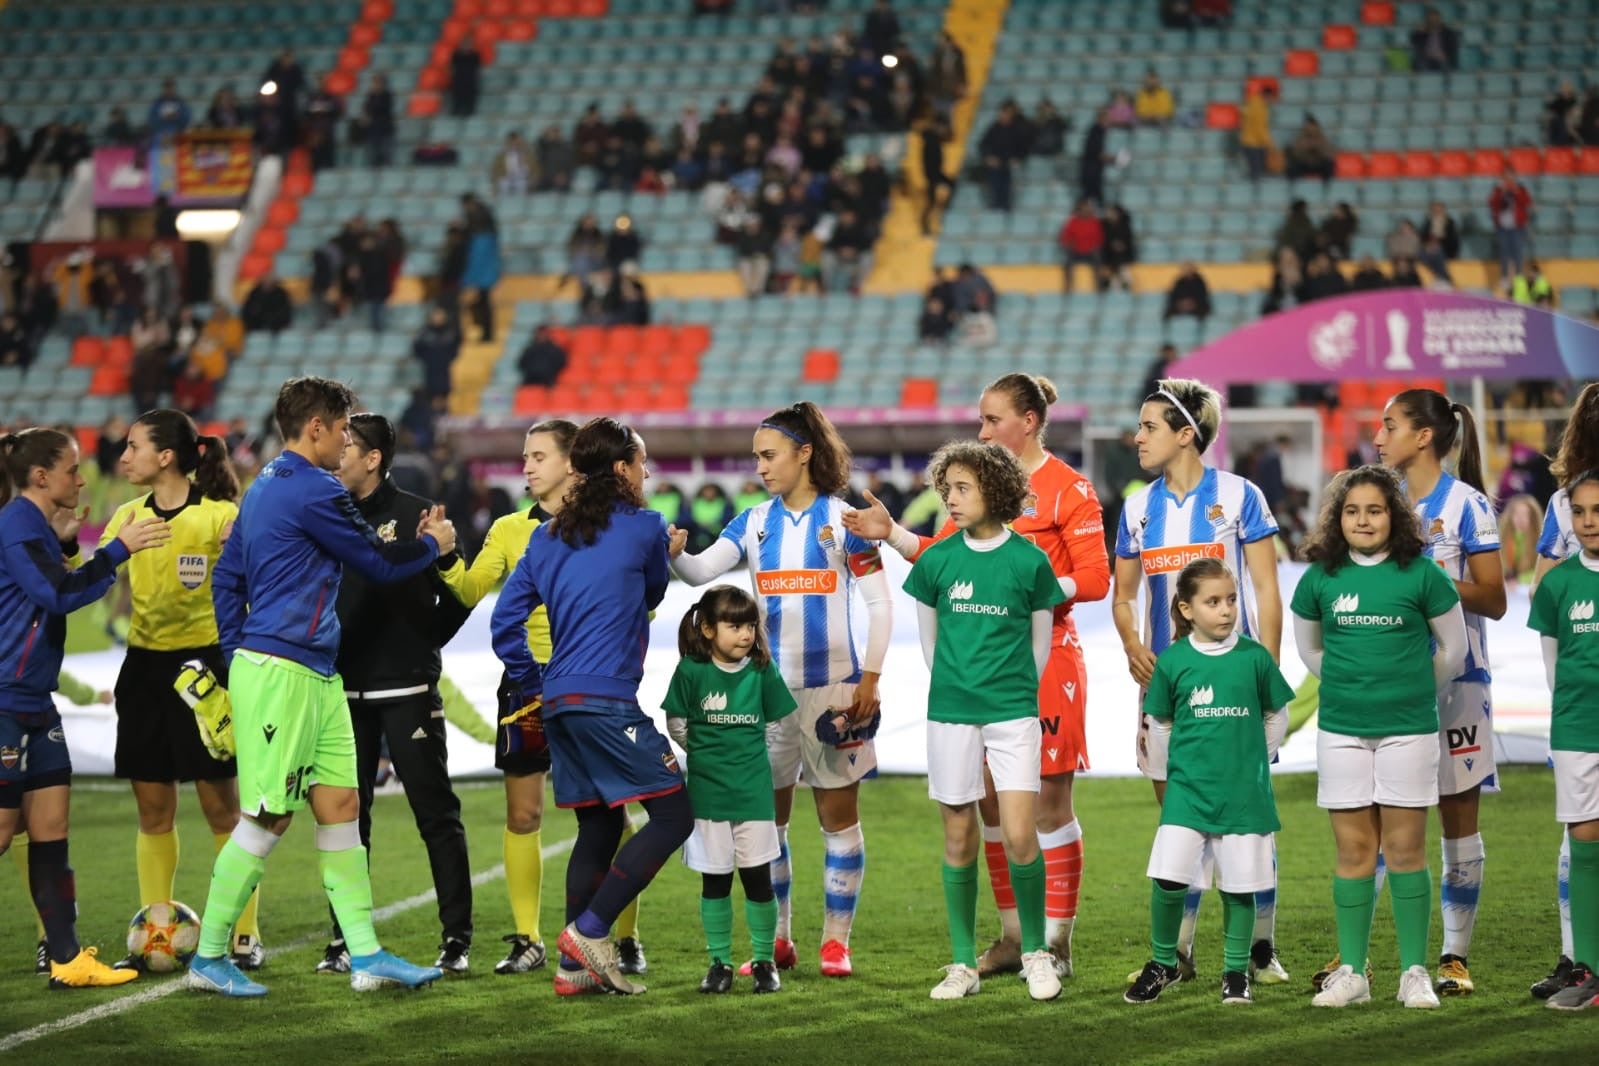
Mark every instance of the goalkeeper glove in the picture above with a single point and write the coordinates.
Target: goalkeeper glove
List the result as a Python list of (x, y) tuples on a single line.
[(213, 710)]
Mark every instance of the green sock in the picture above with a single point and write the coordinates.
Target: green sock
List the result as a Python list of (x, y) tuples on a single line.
[(1238, 930), (348, 884), (1584, 889), (233, 878), (716, 915), (1028, 884), (1355, 902), (960, 906), (1411, 895), (762, 919), (1165, 921)]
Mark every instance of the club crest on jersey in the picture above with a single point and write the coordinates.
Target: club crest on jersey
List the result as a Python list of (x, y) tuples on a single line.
[(1215, 514), (825, 538), (1030, 505), (192, 570), (386, 532), (669, 761), (9, 757), (1436, 529)]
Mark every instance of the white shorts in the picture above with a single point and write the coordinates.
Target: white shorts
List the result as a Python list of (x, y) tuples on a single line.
[(955, 755), (1465, 737), (722, 847), (1576, 786), (791, 743), (1141, 749), (1355, 772), (1242, 861)]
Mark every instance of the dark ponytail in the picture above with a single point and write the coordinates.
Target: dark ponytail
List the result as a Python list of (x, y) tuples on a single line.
[(1451, 424), (804, 423), (597, 448), (205, 457), (721, 603), (22, 451)]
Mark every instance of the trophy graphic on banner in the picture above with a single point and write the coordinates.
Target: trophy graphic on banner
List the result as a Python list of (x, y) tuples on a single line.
[(1398, 357)]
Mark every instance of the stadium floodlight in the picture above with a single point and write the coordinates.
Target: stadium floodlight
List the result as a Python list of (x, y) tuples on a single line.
[(891, 61), (269, 88), (207, 225)]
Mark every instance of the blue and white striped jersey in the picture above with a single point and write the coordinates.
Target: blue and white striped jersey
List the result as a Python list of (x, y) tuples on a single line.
[(1558, 540), (1457, 521)]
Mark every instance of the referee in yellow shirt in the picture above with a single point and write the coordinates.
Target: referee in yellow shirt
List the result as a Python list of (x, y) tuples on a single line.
[(158, 741)]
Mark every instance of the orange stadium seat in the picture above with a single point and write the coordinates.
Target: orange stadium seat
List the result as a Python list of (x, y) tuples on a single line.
[(353, 58), (1454, 164), (1263, 83), (1338, 38), (468, 9), (1560, 161), (119, 352), (88, 351), (1526, 161), (284, 211), (109, 381), (1351, 165), (255, 265), (377, 10), (692, 340), (1377, 13), (1420, 165), (365, 34), (1487, 162), (592, 8), (634, 398), (88, 439), (821, 365), (520, 29), (1588, 162), (498, 9), (423, 105), (340, 82), (1383, 165), (919, 392), (433, 77), (270, 238), (1222, 116), (560, 8), (682, 370), (672, 398), (656, 340), (531, 400), (1301, 63)]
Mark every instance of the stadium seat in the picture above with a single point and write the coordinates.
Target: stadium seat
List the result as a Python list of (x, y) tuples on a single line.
[(1487, 162), (1301, 63), (1526, 161), (1559, 161), (88, 350), (1339, 37), (1383, 165), (821, 365), (919, 392), (1420, 165), (1350, 165)]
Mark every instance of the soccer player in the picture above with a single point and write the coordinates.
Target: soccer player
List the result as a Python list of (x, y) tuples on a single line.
[(1578, 452), (1062, 516), (1420, 428), (1363, 616), (39, 520), (724, 695), (1193, 511), (274, 589), (172, 623), (986, 604), (804, 566), (599, 567), (1218, 710), (1563, 613), (390, 636)]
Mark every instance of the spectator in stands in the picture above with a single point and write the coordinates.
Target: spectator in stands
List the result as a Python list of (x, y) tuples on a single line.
[(1004, 145), (376, 282), (221, 341), (1121, 248), (753, 257), (1510, 205), (623, 245), (225, 112), (193, 393), (1082, 241), (785, 257), (1312, 153), (1403, 275), (13, 155), (1322, 280), (436, 347), (377, 122), (946, 75), (555, 160), (1402, 242), (880, 30), (72, 278), (940, 188), (631, 127), (185, 334), (477, 215), (632, 300), (40, 306), (392, 241), (971, 291), (1588, 122), (1338, 231), (1440, 241), (936, 322), (152, 354), (1254, 129), (685, 135), (267, 308), (585, 250), (53, 146), (1092, 159), (119, 133), (1158, 370), (514, 170), (543, 359), (287, 79), (323, 110), (1434, 45), (1048, 128), (978, 327), (1154, 104), (275, 125), (875, 188), (708, 513), (481, 274), (466, 72), (1120, 113), (169, 115), (1368, 276), (848, 253), (1298, 231), (106, 296), (16, 347), (1531, 287), (111, 443), (1562, 110), (589, 136), (327, 268), (1188, 296)]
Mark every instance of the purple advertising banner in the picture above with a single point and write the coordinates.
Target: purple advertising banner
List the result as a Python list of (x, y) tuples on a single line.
[(1401, 333), (122, 178)]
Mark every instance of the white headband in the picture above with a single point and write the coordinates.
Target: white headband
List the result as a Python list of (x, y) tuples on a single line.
[(1175, 402)]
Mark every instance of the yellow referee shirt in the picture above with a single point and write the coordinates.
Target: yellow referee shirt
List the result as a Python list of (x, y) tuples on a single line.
[(503, 548), (172, 583)]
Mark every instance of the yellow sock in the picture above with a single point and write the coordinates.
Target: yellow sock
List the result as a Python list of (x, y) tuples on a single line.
[(524, 879), (627, 921), (19, 855), (156, 857), (248, 925)]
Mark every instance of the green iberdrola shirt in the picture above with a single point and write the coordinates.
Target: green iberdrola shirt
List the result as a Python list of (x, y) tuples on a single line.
[(983, 669), (1218, 776), (1376, 673), (1563, 608), (727, 711)]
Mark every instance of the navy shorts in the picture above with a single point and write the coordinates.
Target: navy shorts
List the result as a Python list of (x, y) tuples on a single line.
[(607, 751), (33, 754)]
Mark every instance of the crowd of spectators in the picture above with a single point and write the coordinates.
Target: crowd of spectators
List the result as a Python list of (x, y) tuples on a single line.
[(961, 306)]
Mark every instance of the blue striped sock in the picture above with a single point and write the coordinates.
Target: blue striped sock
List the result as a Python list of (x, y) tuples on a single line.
[(841, 883), (1459, 888), (782, 875), (1563, 879), (1266, 904)]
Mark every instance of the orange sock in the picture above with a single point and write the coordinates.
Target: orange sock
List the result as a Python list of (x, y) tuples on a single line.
[(1063, 870), (999, 879)]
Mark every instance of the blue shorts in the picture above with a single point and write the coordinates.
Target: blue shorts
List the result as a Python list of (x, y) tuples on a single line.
[(607, 751), (33, 754)]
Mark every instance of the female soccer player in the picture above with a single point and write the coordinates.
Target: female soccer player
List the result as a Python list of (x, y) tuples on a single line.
[(189, 484), (520, 750), (1363, 616), (1193, 511), (1562, 611), (985, 606), (804, 565), (1062, 516), (39, 520), (1218, 710), (1420, 428), (599, 566), (723, 696), (1578, 452)]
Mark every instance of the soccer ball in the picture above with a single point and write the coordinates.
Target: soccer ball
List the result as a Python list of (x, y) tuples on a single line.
[(164, 935)]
